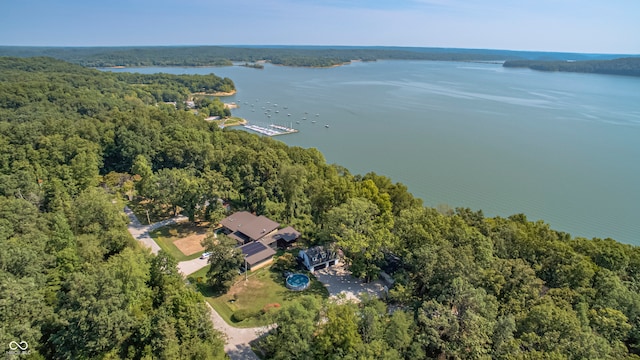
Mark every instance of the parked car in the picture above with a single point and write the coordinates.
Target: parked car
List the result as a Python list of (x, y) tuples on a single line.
[(205, 255)]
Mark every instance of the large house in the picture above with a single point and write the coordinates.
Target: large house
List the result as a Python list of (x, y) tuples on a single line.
[(257, 255), (244, 227), (318, 257), (257, 236)]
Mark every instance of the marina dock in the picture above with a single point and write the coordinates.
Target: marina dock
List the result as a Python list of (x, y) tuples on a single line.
[(272, 130)]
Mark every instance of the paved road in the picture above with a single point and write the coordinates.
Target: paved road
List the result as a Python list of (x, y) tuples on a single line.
[(237, 344)]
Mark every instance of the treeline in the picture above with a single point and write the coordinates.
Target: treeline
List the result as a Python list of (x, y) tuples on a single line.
[(469, 287), (307, 56), (624, 66), (466, 286), (253, 65), (194, 83), (224, 56), (73, 283), (176, 88)]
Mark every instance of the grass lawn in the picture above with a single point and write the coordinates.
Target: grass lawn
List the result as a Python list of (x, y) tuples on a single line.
[(167, 235), (264, 288)]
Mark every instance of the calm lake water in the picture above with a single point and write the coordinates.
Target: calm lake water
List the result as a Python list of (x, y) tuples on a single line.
[(560, 147)]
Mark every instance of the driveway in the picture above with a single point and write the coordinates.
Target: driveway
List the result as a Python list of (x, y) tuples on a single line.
[(237, 340), (340, 282), (191, 266), (237, 346), (141, 232)]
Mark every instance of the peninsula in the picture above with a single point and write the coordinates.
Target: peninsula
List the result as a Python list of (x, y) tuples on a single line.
[(629, 66)]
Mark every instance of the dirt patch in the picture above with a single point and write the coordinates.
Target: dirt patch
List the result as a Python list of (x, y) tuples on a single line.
[(190, 244), (242, 285)]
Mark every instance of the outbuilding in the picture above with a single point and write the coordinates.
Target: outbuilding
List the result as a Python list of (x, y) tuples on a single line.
[(318, 257)]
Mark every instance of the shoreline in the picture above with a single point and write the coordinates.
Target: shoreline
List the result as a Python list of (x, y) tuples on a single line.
[(240, 122), (231, 105), (219, 93), (317, 67)]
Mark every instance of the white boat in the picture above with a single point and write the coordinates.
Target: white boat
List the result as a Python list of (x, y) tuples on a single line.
[(326, 126)]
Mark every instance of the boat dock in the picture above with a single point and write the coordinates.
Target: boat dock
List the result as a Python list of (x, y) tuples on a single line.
[(272, 130), (284, 128)]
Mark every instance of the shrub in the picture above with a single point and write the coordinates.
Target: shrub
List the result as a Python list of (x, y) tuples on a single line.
[(243, 314), (286, 262)]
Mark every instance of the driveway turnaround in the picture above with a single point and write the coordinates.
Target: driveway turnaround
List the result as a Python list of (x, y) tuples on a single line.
[(340, 282), (237, 346)]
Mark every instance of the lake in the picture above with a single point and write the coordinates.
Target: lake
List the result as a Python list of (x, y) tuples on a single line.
[(560, 147)]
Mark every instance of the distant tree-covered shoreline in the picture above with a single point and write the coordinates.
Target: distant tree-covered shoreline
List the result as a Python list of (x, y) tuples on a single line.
[(624, 66), (303, 56)]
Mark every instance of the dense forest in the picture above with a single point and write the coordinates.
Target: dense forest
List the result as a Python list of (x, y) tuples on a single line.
[(316, 56), (75, 285), (624, 66)]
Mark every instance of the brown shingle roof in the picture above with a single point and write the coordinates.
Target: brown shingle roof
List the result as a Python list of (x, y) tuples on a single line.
[(234, 221), (288, 234), (254, 227), (260, 227)]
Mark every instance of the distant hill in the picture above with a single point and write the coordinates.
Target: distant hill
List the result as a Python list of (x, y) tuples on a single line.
[(624, 66), (309, 56)]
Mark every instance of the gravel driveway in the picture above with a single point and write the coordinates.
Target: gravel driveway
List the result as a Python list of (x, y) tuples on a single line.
[(338, 280)]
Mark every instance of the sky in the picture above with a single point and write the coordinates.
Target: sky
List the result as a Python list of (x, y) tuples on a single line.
[(588, 26)]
